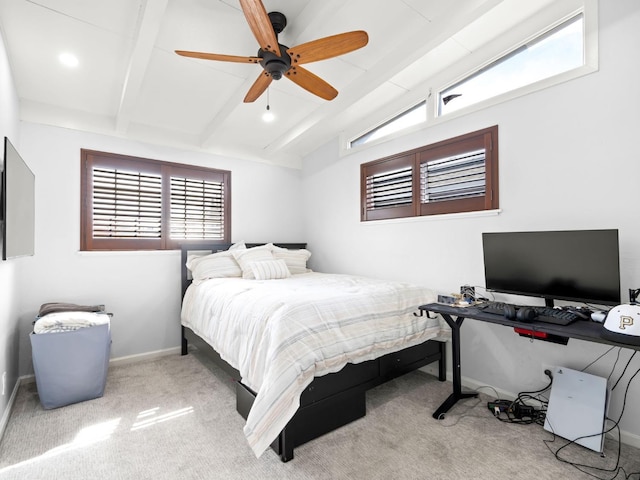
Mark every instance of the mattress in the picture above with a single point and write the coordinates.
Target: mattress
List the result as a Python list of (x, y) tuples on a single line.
[(280, 334)]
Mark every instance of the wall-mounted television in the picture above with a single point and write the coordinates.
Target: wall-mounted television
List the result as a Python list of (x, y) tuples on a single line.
[(574, 265), (17, 198)]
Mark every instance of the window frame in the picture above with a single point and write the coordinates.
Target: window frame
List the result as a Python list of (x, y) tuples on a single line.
[(482, 55), (91, 158), (369, 136), (505, 56), (487, 137)]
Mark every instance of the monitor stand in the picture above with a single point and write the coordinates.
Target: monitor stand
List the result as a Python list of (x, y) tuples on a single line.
[(578, 407)]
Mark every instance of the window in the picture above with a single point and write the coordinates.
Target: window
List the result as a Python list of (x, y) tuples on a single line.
[(131, 203), (558, 50), (452, 176), (406, 119), (496, 58)]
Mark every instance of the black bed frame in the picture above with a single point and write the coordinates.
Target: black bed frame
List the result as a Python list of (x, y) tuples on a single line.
[(330, 401)]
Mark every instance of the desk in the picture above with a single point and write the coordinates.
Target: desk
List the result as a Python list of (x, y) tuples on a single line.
[(454, 316)]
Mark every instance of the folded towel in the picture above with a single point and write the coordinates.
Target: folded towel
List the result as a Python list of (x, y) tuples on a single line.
[(47, 308), (69, 321)]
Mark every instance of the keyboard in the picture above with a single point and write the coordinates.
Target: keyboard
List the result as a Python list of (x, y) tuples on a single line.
[(556, 316), (543, 314)]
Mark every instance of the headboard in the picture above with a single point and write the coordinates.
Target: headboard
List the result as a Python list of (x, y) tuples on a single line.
[(206, 248)]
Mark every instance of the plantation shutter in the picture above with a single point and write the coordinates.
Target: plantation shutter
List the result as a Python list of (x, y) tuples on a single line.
[(388, 188), (126, 204), (131, 203), (454, 177), (393, 189), (197, 209), (460, 175)]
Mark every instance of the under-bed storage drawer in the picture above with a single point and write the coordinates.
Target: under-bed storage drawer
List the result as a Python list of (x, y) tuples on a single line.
[(313, 419), (398, 363), (350, 376), (244, 399)]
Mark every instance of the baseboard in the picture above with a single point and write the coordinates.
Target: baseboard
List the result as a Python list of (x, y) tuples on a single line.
[(490, 390), (7, 411), (630, 439), (140, 357)]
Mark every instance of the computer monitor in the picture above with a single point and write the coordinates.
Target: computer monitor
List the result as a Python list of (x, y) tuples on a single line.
[(574, 265)]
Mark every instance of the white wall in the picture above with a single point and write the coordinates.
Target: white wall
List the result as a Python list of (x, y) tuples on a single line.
[(568, 160), (142, 289), (9, 127)]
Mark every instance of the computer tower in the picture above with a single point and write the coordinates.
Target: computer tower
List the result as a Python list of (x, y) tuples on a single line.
[(577, 408)]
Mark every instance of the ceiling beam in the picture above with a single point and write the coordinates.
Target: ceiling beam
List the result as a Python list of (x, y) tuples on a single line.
[(147, 28), (384, 69), (208, 135)]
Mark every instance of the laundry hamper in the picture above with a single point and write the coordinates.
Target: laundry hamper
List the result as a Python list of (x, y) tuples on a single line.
[(70, 353)]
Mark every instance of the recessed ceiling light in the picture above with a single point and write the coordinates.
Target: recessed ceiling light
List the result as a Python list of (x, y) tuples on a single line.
[(68, 59)]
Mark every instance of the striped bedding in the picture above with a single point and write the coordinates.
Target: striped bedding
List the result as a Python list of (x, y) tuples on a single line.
[(279, 334)]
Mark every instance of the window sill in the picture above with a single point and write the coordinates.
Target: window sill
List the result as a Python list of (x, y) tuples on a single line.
[(125, 253), (445, 216)]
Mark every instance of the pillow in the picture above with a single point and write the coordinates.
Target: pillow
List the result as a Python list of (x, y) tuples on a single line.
[(238, 246), (269, 269), (296, 260), (255, 254), (215, 265)]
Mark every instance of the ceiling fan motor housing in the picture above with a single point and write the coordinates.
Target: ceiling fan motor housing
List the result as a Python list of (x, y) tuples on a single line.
[(275, 65)]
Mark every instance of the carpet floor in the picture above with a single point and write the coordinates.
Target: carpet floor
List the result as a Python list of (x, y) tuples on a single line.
[(175, 418)]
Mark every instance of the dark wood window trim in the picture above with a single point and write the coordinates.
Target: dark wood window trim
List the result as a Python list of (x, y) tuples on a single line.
[(147, 209), (452, 176)]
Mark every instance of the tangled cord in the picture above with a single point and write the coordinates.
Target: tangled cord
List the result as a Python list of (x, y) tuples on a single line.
[(519, 412)]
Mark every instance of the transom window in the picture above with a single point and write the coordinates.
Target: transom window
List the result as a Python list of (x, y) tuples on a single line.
[(412, 116), (131, 203), (556, 51), (540, 55), (452, 176)]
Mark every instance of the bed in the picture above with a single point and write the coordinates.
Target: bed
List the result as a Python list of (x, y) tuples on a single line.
[(302, 347)]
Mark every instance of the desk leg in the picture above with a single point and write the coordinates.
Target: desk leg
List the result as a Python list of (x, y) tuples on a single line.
[(457, 394)]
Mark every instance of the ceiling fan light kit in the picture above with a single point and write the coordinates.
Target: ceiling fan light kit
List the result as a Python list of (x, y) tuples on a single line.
[(268, 115), (278, 60)]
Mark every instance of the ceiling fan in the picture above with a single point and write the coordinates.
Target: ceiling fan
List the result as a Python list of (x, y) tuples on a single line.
[(278, 60)]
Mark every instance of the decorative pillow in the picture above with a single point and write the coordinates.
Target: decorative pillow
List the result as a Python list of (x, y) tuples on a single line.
[(269, 269), (215, 265), (296, 260), (238, 246), (255, 254)]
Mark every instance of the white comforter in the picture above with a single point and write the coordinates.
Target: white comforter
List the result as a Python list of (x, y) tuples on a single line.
[(279, 334)]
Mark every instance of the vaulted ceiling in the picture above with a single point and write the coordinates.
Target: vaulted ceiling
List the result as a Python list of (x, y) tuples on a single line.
[(129, 81)]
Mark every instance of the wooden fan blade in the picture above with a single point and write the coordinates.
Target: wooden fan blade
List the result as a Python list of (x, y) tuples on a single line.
[(215, 56), (258, 87), (328, 47), (311, 83), (260, 25)]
